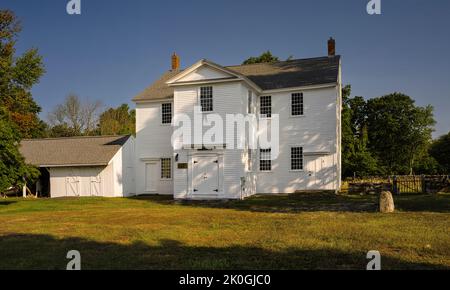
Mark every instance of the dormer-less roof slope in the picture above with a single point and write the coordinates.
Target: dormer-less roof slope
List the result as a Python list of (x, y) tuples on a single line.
[(267, 76), (76, 151)]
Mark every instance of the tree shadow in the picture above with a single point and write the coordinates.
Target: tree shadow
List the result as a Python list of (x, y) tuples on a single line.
[(21, 251), (5, 202), (282, 203)]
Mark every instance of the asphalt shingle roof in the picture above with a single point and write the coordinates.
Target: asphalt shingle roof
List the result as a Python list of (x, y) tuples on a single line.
[(268, 76), (76, 151)]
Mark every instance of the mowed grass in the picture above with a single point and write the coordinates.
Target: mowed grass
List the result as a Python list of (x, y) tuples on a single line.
[(299, 231)]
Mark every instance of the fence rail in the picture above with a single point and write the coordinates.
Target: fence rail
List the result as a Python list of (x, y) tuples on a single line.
[(398, 184)]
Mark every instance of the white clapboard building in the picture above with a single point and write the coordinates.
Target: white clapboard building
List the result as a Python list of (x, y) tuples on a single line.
[(306, 95)]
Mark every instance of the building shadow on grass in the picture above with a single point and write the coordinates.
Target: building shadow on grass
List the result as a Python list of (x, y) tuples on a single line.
[(20, 251), (439, 203), (315, 201), (282, 203)]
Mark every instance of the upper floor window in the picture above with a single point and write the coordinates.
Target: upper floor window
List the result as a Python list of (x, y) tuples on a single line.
[(296, 158), (250, 102), (297, 104), (206, 99), (166, 168), (166, 113), (265, 106), (265, 160)]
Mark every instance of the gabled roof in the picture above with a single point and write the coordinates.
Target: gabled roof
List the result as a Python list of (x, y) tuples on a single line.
[(266, 76), (75, 151), (159, 89), (293, 73)]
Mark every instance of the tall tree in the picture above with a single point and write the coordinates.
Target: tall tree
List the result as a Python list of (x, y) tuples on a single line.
[(398, 130), (356, 157), (17, 76), (440, 150), (13, 169), (74, 117), (119, 121), (264, 57)]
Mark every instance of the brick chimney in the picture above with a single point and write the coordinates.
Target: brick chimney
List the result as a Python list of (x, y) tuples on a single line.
[(175, 62), (331, 47)]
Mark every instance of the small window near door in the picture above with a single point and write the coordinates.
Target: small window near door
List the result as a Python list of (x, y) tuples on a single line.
[(265, 106), (265, 160), (297, 104), (166, 113), (166, 168), (296, 158), (206, 99)]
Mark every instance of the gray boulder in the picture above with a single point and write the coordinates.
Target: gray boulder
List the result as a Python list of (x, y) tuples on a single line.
[(386, 202)]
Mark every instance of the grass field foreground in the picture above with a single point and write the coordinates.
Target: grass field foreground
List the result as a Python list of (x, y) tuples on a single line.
[(298, 231)]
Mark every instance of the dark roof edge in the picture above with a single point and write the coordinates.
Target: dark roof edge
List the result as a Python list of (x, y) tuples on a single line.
[(76, 137), (71, 165)]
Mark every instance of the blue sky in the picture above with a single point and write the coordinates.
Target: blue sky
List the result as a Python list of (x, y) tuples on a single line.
[(116, 48)]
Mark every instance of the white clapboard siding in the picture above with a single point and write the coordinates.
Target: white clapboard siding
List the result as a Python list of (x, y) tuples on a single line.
[(315, 131), (152, 142)]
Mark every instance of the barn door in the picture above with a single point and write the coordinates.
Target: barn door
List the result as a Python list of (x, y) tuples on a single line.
[(96, 186), (72, 184)]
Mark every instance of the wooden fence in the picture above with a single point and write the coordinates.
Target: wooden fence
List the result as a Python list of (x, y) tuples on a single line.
[(419, 183), (400, 184)]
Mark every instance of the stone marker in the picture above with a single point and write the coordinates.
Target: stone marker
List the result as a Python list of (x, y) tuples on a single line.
[(386, 202)]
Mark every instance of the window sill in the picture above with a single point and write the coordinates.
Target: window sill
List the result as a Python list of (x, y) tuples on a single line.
[(296, 116)]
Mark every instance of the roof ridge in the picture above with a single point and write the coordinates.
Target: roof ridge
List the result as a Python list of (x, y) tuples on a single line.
[(282, 61)]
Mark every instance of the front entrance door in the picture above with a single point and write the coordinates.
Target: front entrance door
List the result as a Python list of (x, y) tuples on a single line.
[(314, 171), (151, 177), (205, 175)]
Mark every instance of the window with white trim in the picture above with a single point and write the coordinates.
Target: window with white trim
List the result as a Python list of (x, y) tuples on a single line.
[(166, 113), (265, 106), (297, 104), (296, 158), (166, 168), (249, 160), (206, 99), (265, 160), (250, 102)]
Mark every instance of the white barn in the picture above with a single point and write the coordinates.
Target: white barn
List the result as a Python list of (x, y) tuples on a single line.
[(83, 166), (305, 93)]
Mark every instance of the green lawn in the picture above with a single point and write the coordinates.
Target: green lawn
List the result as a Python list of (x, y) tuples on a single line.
[(300, 231)]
